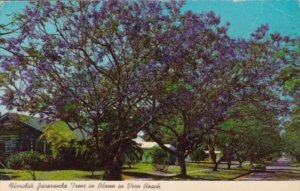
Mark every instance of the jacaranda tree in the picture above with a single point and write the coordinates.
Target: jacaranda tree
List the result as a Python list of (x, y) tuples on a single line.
[(195, 75), (258, 63)]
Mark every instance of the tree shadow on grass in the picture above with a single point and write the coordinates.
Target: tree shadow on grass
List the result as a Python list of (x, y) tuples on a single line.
[(144, 175), (8, 176), (281, 164), (127, 168), (94, 177), (222, 170), (147, 175)]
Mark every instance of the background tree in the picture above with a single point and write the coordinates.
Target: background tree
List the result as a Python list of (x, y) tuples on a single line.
[(291, 135), (255, 72), (290, 80), (249, 132)]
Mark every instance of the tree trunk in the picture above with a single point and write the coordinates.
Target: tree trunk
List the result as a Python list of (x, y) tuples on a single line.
[(213, 155), (181, 161), (228, 159), (113, 169), (241, 160), (251, 159), (215, 168), (240, 163), (228, 164)]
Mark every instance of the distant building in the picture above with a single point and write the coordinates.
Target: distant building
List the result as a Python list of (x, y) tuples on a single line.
[(20, 133), (147, 146)]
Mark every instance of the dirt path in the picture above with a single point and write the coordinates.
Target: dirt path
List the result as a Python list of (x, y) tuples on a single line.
[(282, 169)]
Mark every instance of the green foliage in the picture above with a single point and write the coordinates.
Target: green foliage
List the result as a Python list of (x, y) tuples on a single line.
[(133, 155), (67, 151), (60, 141), (251, 131), (280, 53), (291, 83), (291, 136), (258, 166), (27, 160), (198, 155), (160, 159)]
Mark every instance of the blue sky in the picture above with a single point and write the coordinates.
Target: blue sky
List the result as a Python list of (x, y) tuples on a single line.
[(244, 16)]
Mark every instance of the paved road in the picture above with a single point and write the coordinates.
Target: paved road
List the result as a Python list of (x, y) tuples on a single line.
[(282, 169)]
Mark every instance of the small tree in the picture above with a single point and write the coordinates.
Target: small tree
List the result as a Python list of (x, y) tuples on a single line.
[(133, 155), (198, 155), (161, 159)]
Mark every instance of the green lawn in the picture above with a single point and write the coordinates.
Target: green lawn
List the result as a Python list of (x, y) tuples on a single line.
[(296, 164), (200, 171), (50, 175)]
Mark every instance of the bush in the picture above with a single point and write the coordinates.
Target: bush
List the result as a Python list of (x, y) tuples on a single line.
[(133, 155), (160, 159), (198, 155), (28, 160), (66, 159)]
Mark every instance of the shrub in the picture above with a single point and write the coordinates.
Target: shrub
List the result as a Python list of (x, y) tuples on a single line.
[(198, 155), (66, 158), (160, 159), (133, 155), (28, 160)]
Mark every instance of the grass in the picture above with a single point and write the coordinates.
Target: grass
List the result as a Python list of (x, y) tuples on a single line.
[(8, 174), (201, 171), (296, 164)]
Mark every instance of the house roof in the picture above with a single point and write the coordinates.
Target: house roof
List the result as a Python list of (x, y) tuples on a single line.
[(41, 125), (149, 145)]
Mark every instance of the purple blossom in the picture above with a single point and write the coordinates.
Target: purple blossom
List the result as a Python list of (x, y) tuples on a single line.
[(260, 32), (286, 39), (276, 37), (62, 44)]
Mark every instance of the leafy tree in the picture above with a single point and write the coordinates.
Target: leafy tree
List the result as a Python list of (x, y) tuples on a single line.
[(291, 135), (290, 80), (59, 140), (250, 131)]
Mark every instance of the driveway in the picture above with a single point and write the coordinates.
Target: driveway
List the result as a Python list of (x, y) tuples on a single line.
[(282, 169)]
